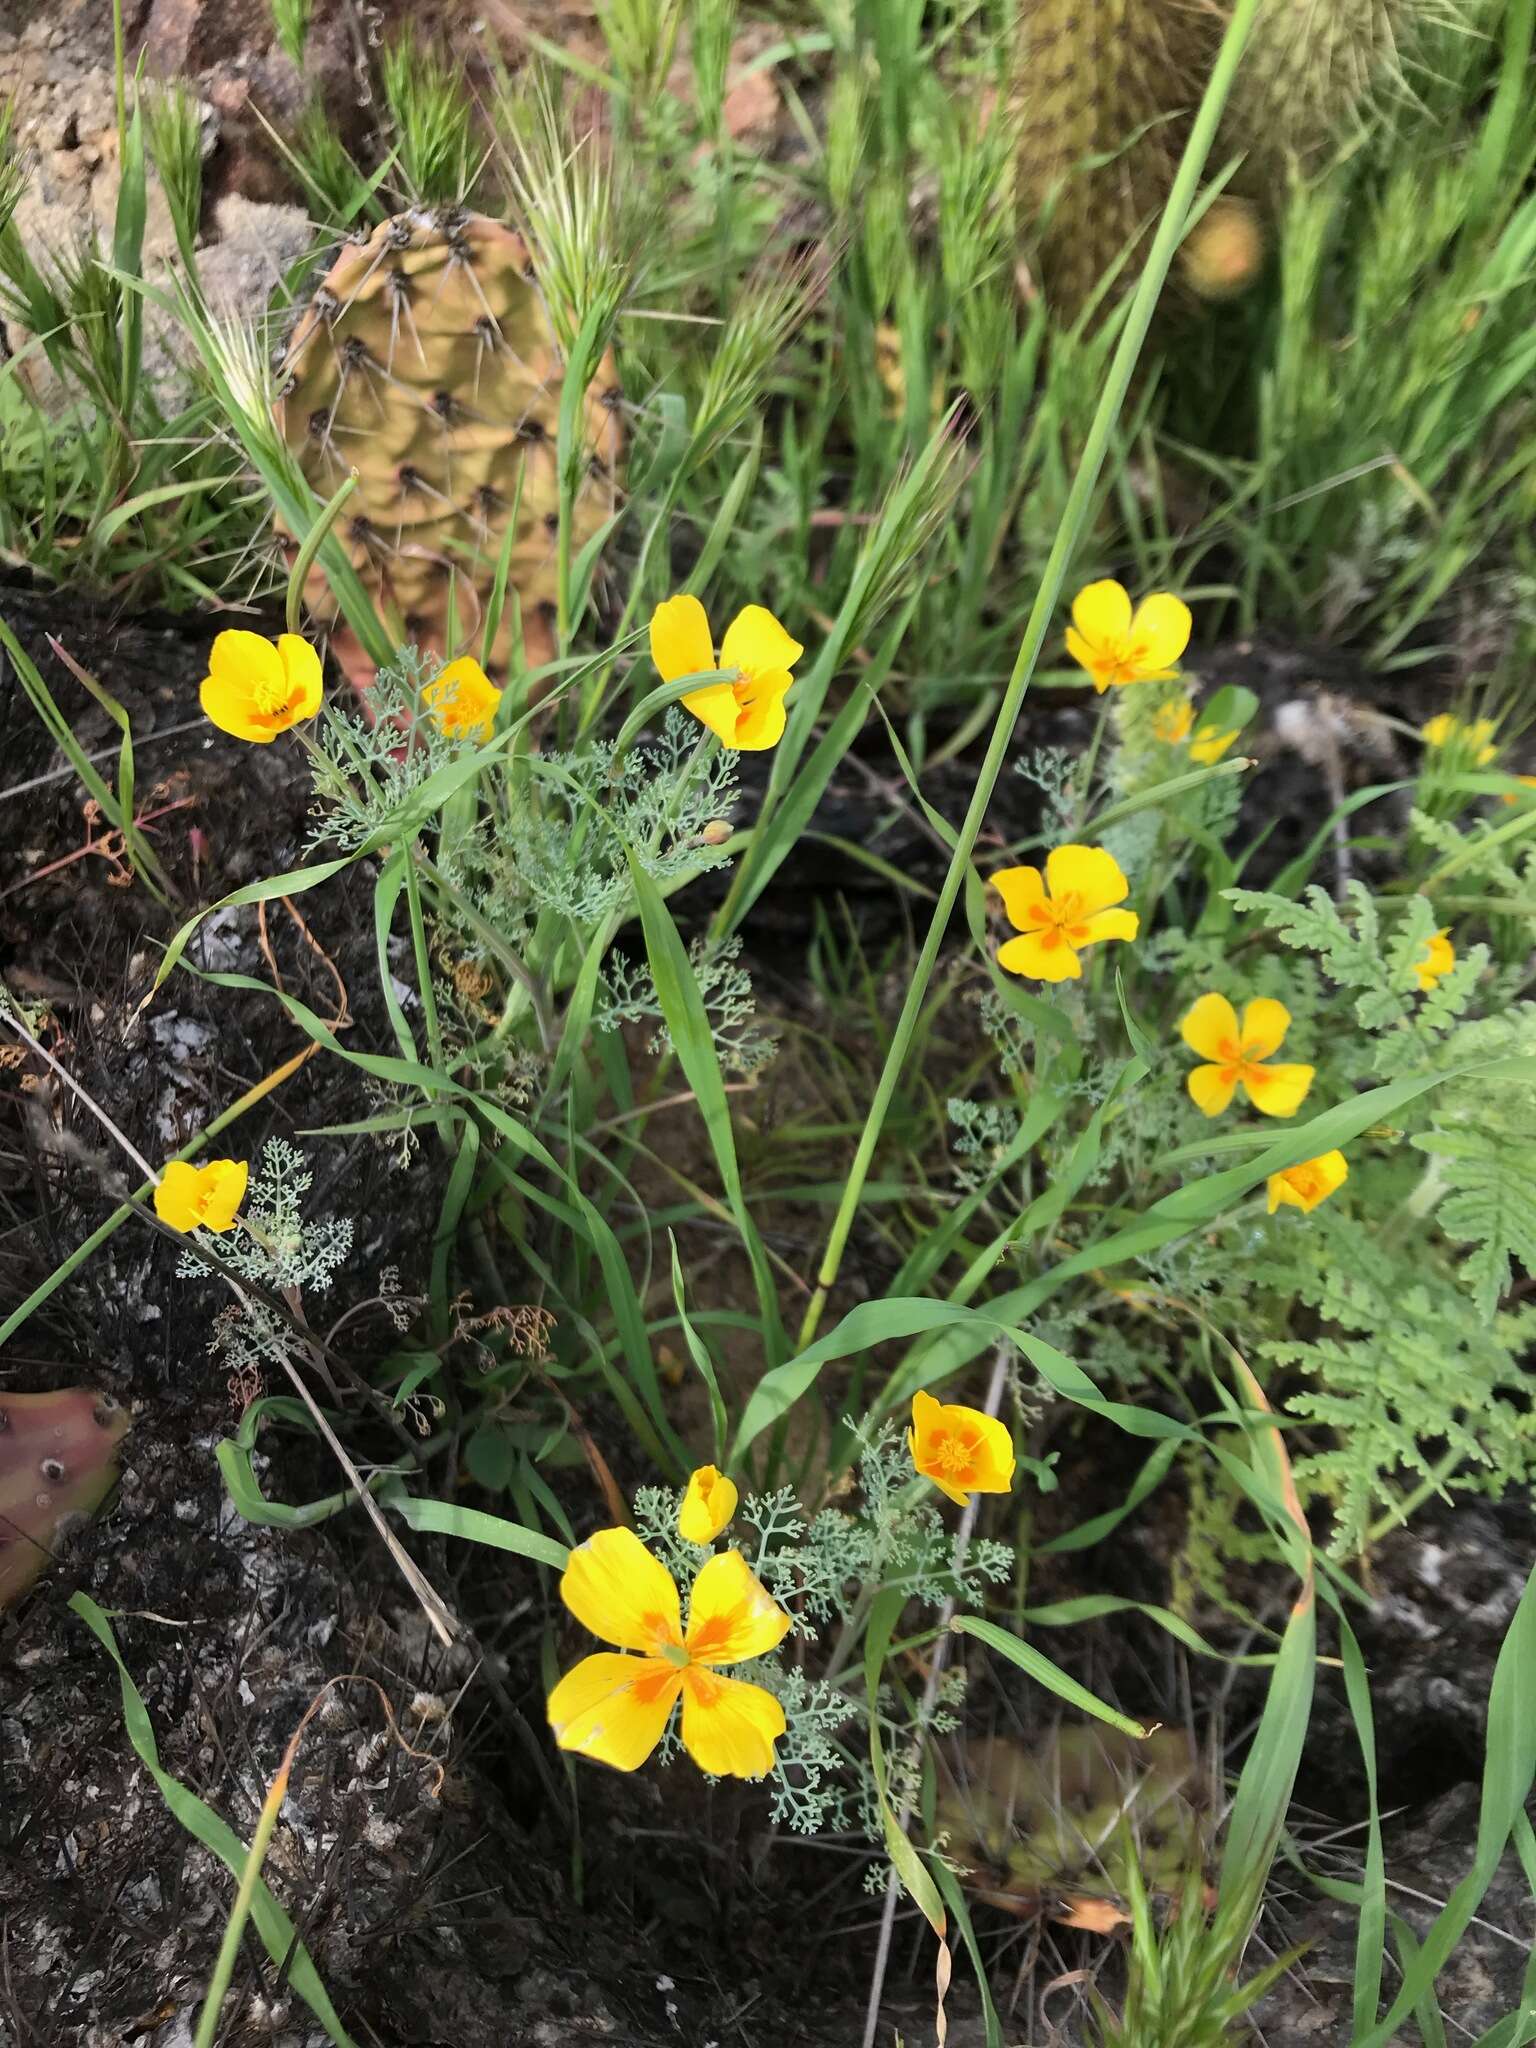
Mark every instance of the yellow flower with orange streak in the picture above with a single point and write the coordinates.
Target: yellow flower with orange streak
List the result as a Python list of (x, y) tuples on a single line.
[(1060, 912), (1307, 1183), (962, 1450), (205, 1197), (747, 713), (1238, 1056), (1117, 645), (256, 688), (614, 1707)]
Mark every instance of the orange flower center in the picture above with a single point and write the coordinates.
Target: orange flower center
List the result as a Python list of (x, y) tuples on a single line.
[(952, 1453), (1062, 920), (1306, 1180), (1238, 1064)]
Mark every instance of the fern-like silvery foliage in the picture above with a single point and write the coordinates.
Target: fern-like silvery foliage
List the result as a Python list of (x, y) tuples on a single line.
[(1407, 1386), (1482, 1140)]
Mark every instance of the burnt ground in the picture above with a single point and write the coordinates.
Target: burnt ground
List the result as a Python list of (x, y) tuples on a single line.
[(433, 1876)]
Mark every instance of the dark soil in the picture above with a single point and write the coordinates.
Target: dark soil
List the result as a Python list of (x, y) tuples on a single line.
[(452, 1908)]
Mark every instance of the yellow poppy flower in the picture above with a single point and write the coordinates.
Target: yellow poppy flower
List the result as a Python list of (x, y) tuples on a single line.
[(1308, 1183), (1439, 958), (1475, 737), (1174, 722), (201, 1197), (1116, 645), (1066, 909), (961, 1450), (462, 700), (707, 1506), (615, 1707), (1207, 747), (749, 713), (255, 689), (1238, 1056)]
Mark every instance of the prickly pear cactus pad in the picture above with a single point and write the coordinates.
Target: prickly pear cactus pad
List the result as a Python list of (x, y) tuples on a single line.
[(427, 362), (58, 1459), (1051, 1829)]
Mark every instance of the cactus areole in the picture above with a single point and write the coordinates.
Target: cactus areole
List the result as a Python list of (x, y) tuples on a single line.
[(58, 1461), (426, 362)]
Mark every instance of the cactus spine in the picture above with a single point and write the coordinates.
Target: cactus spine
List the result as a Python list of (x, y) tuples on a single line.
[(427, 362)]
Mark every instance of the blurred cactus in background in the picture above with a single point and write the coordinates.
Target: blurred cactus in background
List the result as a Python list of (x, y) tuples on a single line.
[(427, 361), (57, 1462)]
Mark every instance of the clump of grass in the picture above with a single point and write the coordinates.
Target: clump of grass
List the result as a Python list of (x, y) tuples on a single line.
[(433, 122)]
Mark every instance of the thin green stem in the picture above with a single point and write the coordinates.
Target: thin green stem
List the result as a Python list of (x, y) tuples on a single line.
[(1127, 351)]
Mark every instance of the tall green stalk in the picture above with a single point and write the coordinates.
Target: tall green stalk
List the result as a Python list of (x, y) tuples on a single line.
[(1138, 319)]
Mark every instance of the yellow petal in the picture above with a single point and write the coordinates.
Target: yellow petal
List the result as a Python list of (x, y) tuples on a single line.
[(1265, 1023), (1210, 1029), (1211, 1088), (1044, 956), (462, 700), (717, 708), (1109, 924), (1020, 888), (249, 660), (303, 677), (206, 1197), (680, 639), (1087, 872), (1159, 631), (1439, 731), (228, 705), (962, 1450), (1101, 612), (731, 1613), (224, 1183), (756, 643), (729, 1725), (1208, 747), (761, 723), (614, 1709), (1305, 1185), (1277, 1091), (1439, 958), (708, 1504), (624, 1595)]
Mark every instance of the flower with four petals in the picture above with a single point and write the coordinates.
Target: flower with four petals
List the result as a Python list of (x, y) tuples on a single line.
[(1238, 1056), (1309, 1182), (748, 713), (615, 1706), (206, 1197), (257, 688), (1057, 914), (461, 700), (962, 1450), (1117, 645)]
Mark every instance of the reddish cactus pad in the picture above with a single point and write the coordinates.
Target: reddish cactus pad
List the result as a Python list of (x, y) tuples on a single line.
[(58, 1459)]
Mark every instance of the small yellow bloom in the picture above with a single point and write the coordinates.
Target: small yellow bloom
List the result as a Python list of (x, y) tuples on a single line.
[(1067, 908), (255, 689), (707, 1506), (749, 713), (1474, 737), (616, 1708), (1238, 1056), (1174, 722), (961, 1450), (1439, 958), (462, 700), (1207, 747), (1116, 645), (1307, 1184), (201, 1197)]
